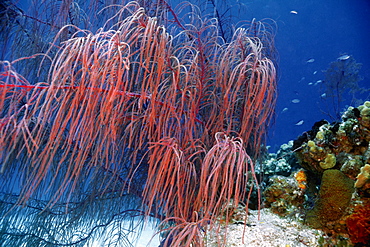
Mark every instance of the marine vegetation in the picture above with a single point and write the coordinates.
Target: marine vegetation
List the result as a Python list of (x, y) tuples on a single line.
[(151, 114)]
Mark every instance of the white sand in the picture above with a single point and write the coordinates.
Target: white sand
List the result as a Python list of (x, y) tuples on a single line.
[(270, 231)]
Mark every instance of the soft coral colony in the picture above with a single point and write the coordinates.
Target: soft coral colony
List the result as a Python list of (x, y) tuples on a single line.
[(162, 122)]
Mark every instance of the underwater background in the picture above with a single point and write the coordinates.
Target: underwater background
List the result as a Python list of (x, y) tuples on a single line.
[(317, 42), (323, 31)]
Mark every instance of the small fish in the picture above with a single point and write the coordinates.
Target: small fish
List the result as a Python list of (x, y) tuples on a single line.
[(310, 83), (294, 12), (323, 95), (295, 101), (310, 60), (343, 58), (300, 122), (317, 82), (284, 110), (315, 72)]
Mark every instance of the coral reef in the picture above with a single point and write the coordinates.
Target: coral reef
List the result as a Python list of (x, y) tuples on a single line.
[(358, 224), (283, 162), (339, 154), (274, 166), (333, 189), (341, 146), (285, 195)]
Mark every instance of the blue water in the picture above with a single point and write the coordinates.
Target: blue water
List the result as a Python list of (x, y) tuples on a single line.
[(319, 30)]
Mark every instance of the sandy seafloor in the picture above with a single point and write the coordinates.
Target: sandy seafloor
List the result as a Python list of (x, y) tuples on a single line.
[(270, 230)]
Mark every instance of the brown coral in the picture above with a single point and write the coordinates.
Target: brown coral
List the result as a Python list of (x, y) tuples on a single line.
[(334, 197)]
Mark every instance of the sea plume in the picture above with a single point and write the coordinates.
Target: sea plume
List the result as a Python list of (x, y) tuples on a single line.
[(162, 122)]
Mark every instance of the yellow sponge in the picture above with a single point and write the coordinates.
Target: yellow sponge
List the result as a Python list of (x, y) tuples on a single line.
[(363, 177)]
